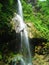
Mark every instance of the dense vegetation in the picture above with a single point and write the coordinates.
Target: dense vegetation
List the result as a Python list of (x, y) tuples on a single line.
[(6, 13), (35, 12), (39, 15)]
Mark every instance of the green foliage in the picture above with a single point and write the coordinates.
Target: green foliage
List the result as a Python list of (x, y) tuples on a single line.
[(27, 10), (43, 17), (6, 13), (0, 56), (39, 15)]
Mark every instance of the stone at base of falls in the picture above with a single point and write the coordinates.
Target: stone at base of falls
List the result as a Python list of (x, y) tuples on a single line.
[(14, 63), (17, 60)]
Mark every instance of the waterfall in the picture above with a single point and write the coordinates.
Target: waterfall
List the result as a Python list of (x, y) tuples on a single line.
[(21, 28), (24, 38), (20, 9), (25, 47)]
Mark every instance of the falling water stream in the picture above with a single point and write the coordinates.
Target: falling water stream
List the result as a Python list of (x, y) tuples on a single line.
[(20, 12), (25, 48)]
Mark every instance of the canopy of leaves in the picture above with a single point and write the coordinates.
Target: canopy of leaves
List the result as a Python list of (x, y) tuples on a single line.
[(39, 15)]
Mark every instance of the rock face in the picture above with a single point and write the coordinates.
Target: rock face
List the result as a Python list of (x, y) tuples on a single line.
[(32, 31), (35, 38), (15, 44), (10, 42)]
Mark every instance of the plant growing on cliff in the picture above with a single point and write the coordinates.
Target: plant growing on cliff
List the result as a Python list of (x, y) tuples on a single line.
[(7, 9)]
